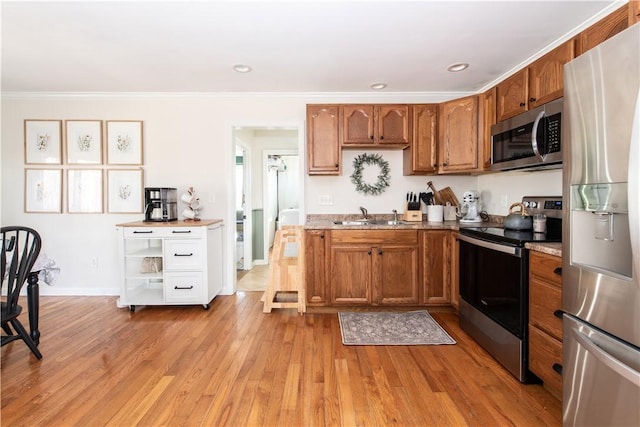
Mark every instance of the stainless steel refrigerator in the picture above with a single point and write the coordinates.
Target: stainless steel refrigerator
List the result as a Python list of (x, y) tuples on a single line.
[(601, 237)]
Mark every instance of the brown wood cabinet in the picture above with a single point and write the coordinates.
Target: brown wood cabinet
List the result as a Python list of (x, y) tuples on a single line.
[(421, 157), (364, 125), (545, 320), (486, 119), (458, 135), (455, 270), (373, 267), (634, 12), (607, 27), (315, 242), (436, 267), (535, 85), (323, 143)]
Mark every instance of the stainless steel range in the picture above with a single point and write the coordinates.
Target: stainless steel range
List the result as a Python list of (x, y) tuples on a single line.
[(494, 284)]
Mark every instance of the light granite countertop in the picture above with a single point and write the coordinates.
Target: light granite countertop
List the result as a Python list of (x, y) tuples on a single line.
[(547, 248), (326, 222)]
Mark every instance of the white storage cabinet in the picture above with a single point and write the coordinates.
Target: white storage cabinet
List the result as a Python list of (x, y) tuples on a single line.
[(176, 263)]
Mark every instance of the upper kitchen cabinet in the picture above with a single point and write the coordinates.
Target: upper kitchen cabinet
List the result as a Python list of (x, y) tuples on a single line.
[(634, 12), (421, 157), (364, 125), (535, 85), (458, 135), (607, 27), (323, 143), (486, 119)]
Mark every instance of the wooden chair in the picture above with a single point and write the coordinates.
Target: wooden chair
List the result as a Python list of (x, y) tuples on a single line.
[(20, 249), (286, 287)]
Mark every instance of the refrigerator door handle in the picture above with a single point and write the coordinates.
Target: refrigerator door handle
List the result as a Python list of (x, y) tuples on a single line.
[(605, 358), (633, 190)]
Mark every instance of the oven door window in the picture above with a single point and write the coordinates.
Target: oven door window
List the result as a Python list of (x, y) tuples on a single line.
[(494, 283)]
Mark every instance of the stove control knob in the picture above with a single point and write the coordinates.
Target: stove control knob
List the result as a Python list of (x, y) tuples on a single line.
[(533, 205), (526, 204)]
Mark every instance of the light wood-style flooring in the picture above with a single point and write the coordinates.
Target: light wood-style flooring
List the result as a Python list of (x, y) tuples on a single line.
[(233, 365)]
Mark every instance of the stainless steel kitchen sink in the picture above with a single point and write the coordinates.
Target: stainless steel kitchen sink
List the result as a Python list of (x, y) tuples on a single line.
[(369, 222)]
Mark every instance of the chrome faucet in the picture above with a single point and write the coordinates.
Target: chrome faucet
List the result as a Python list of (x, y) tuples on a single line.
[(365, 215), (395, 215)]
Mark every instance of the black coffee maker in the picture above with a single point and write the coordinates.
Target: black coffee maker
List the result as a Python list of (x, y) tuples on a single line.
[(161, 204)]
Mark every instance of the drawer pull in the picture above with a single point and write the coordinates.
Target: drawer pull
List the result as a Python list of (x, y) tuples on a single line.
[(143, 232), (557, 367), (189, 254), (181, 231), (183, 287), (558, 313), (558, 271)]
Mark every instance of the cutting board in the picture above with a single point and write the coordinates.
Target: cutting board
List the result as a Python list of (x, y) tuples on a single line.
[(443, 196)]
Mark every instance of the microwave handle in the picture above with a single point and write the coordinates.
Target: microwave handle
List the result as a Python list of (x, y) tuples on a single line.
[(534, 137)]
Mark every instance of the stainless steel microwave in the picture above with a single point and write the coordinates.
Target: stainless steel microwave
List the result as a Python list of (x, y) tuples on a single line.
[(531, 140)]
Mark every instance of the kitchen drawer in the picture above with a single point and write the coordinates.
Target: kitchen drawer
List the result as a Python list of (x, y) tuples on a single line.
[(185, 288), (545, 352), (162, 231), (375, 237), (547, 267), (182, 254), (544, 300)]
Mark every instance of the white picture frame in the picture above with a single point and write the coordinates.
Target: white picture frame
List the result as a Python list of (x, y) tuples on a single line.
[(84, 191), (43, 190), (42, 142), (124, 142), (83, 142), (124, 189)]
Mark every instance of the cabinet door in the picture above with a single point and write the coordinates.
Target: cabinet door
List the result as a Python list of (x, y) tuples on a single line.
[(436, 263), (634, 12), (546, 75), (458, 135), (323, 143), (395, 275), (455, 270), (607, 27), (357, 124), (392, 123), (512, 95), (421, 155), (315, 253), (486, 119), (351, 274)]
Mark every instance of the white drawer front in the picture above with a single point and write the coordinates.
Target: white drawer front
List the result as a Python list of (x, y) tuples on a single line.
[(148, 232), (184, 288), (183, 254)]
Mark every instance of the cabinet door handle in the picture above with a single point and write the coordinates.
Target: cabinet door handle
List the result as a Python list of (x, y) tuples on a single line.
[(522, 104), (444, 164), (558, 271), (558, 313), (381, 137), (532, 99), (371, 137), (369, 253), (181, 231), (189, 254), (322, 235), (557, 367), (183, 287), (143, 232), (379, 251)]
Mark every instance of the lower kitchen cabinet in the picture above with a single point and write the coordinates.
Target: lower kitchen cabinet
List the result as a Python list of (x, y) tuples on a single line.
[(170, 263), (545, 320), (373, 267), (436, 267), (455, 270), (316, 266)]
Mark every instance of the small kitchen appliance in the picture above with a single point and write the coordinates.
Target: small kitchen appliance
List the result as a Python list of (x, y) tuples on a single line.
[(161, 204), (471, 205)]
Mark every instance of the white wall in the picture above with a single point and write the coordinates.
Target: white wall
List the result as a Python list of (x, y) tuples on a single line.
[(188, 142)]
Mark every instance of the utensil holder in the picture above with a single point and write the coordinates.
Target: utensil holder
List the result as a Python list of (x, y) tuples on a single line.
[(412, 215)]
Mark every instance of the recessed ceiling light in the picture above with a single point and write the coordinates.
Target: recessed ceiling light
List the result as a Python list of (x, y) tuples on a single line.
[(378, 86), (459, 66), (240, 68)]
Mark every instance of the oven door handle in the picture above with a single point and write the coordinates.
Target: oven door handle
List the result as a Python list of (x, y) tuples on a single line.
[(493, 246)]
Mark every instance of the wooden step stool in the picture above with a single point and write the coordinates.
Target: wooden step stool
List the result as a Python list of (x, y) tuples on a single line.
[(286, 287)]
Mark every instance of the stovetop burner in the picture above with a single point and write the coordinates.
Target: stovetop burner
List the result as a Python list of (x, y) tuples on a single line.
[(550, 206)]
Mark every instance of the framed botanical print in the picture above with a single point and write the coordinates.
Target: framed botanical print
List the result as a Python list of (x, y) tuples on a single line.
[(124, 142), (43, 190), (83, 142), (42, 141), (124, 189), (84, 191)]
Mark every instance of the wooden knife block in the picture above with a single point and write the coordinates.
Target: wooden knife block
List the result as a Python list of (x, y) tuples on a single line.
[(412, 215)]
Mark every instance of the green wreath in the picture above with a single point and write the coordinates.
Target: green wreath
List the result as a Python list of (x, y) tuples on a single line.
[(383, 177)]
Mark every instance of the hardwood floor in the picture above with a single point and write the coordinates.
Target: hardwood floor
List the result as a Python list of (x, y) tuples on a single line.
[(234, 365)]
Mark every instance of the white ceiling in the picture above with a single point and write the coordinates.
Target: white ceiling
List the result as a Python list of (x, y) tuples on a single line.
[(294, 46)]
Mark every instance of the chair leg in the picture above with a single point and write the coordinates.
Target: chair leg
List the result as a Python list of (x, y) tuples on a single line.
[(26, 337), (6, 328)]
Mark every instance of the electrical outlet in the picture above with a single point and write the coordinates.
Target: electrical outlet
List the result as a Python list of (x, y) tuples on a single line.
[(325, 200), (94, 262), (504, 201)]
